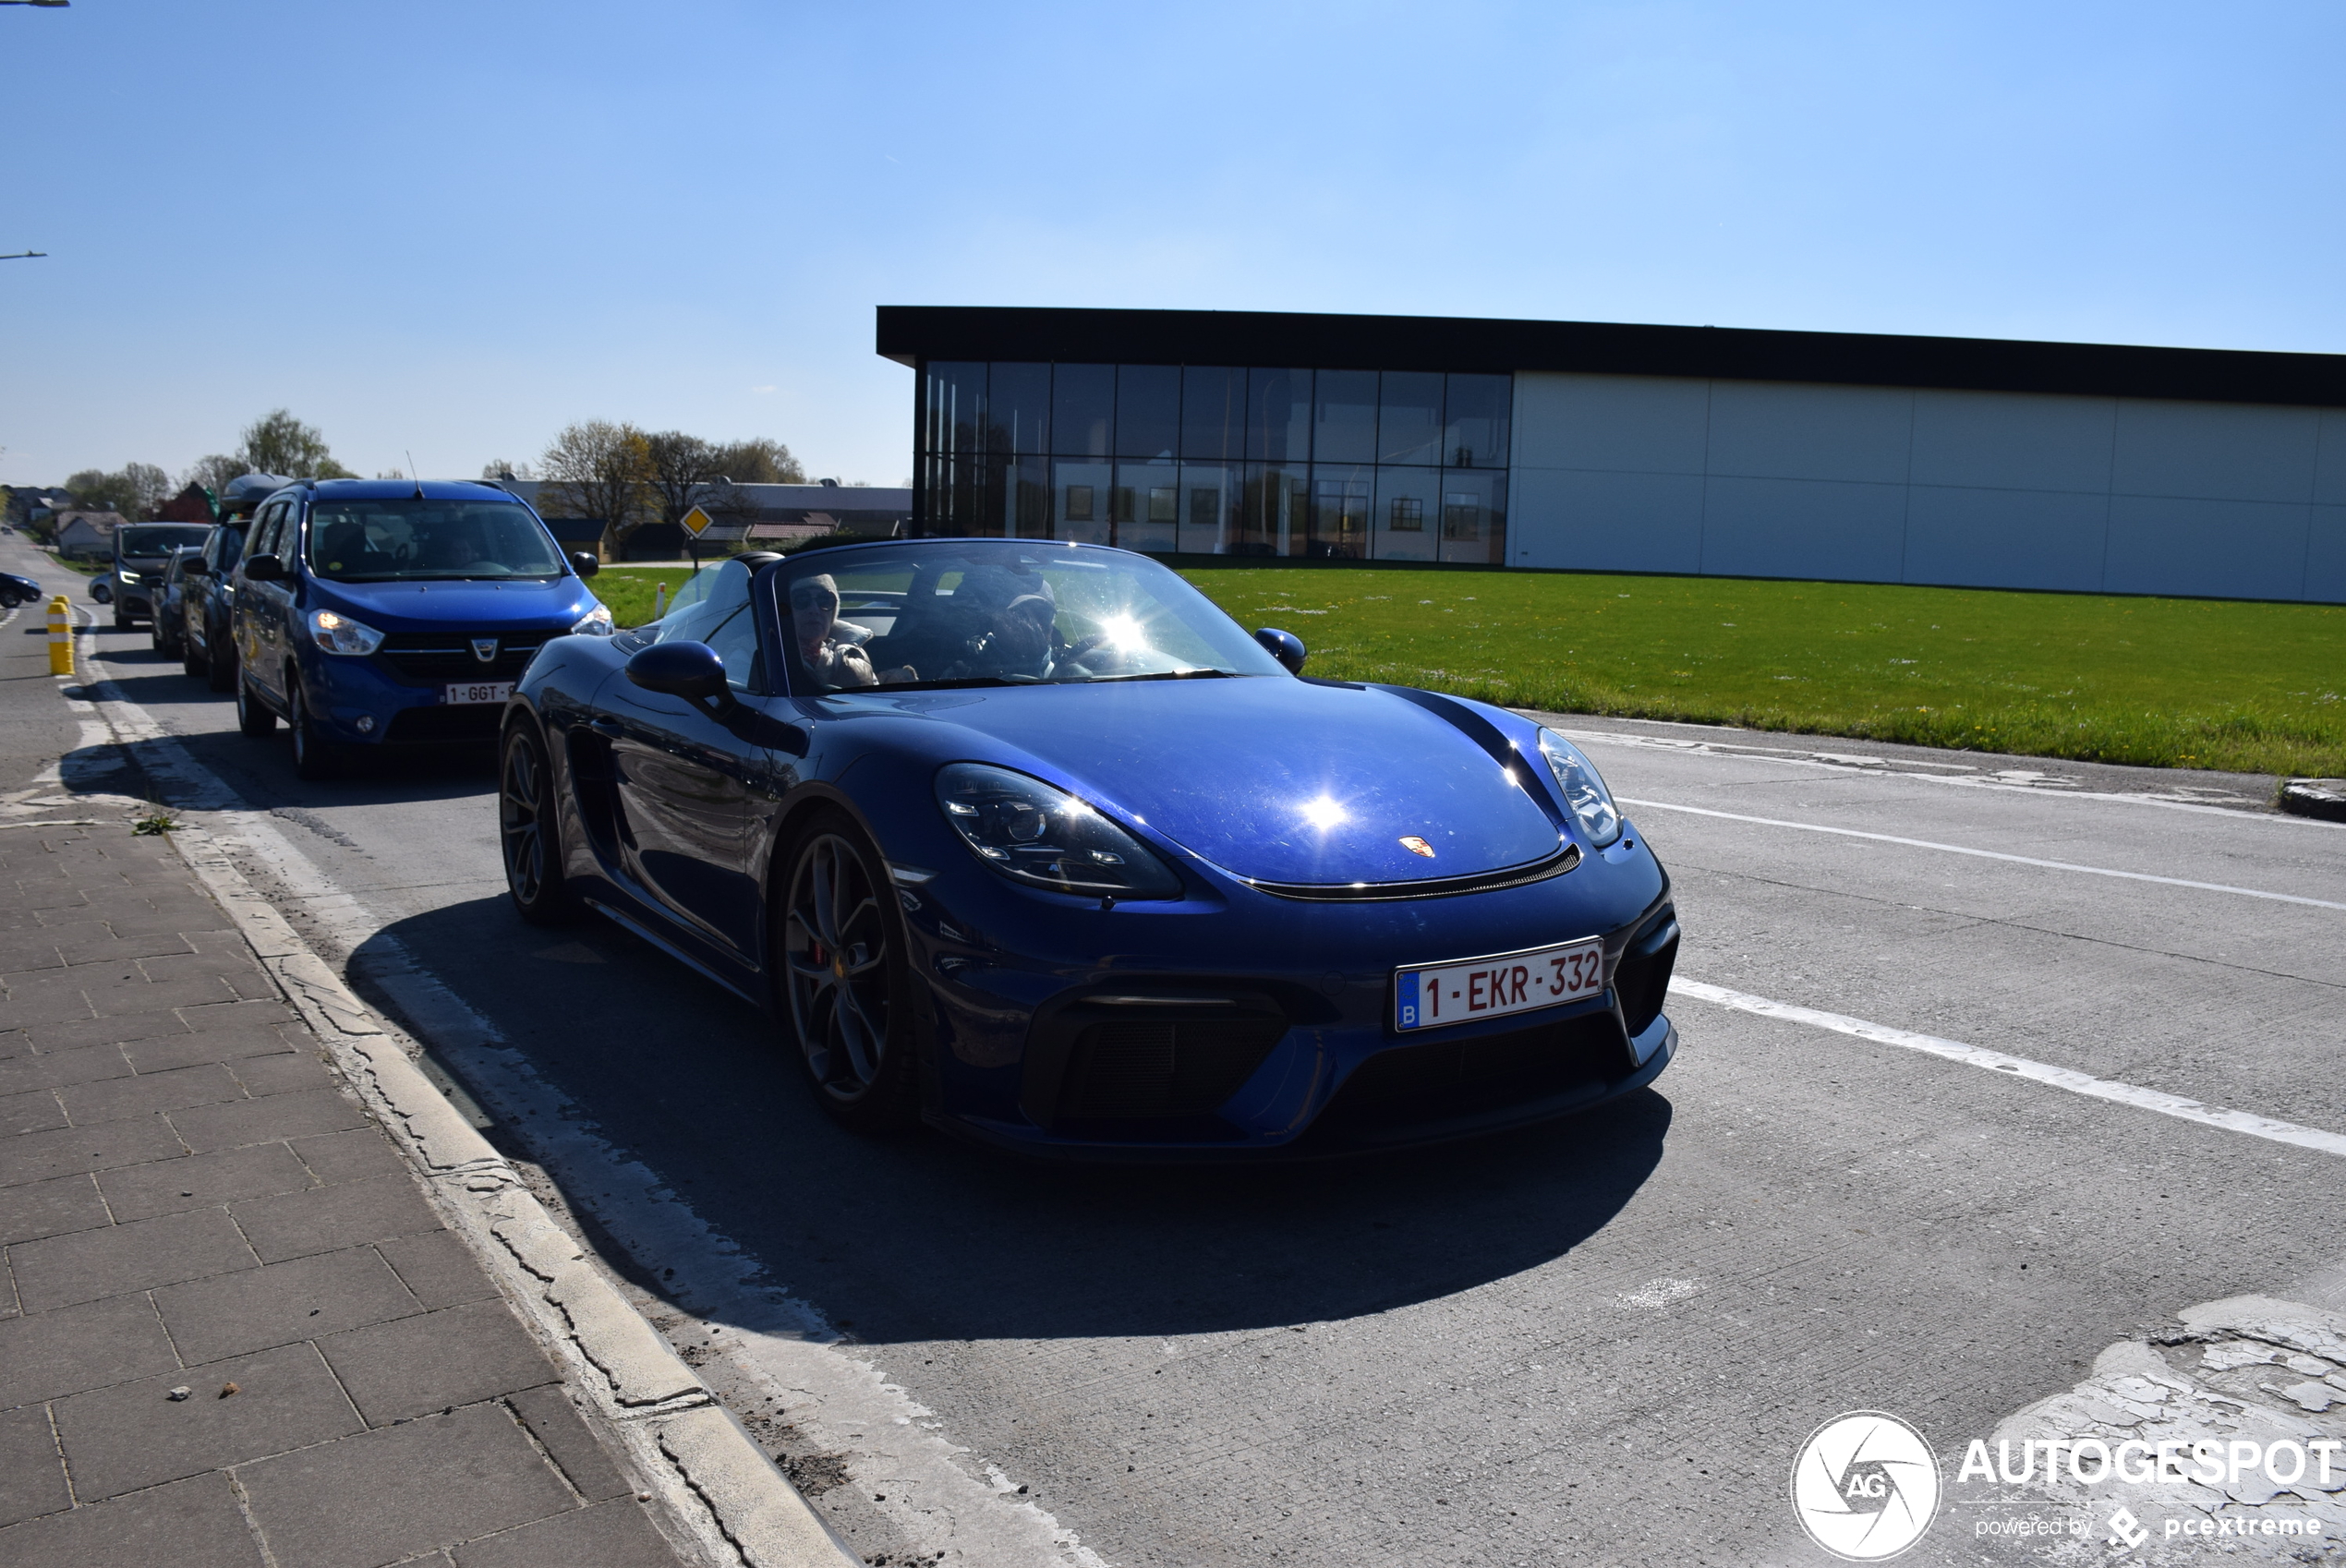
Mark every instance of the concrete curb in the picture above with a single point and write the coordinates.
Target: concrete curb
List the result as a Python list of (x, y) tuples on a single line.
[(718, 1484), (2323, 799)]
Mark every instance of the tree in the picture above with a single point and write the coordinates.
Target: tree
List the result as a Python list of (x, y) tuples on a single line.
[(279, 444), (214, 472), (135, 491), (599, 470), (759, 461), (680, 467), (498, 468)]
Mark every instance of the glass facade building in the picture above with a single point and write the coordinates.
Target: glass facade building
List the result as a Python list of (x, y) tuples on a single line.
[(1218, 459)]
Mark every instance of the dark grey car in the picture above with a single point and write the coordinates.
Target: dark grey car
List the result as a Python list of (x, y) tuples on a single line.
[(141, 552)]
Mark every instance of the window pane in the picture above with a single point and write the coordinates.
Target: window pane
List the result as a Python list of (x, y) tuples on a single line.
[(1410, 418), (1344, 417), (1475, 433), (1080, 501), (1018, 406), (1147, 506), (1026, 497), (1272, 501), (1083, 407), (1209, 507), (1408, 519), (953, 407), (1339, 509), (1148, 410), (1278, 415), (1213, 410), (1474, 516)]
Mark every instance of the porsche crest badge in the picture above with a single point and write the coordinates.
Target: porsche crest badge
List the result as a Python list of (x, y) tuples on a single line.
[(1417, 846)]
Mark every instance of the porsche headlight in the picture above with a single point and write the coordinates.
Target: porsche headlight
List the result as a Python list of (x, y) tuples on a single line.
[(1025, 830), (337, 634), (1583, 789), (596, 622)]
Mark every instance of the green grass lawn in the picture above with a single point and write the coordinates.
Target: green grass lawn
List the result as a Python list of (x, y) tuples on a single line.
[(2165, 683), (629, 590)]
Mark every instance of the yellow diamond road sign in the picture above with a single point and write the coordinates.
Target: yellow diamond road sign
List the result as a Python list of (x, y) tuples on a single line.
[(696, 521)]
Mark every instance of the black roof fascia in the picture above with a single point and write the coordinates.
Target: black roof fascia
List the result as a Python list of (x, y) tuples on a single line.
[(911, 333)]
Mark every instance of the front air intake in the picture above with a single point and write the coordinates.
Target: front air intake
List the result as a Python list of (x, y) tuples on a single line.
[(1168, 1068)]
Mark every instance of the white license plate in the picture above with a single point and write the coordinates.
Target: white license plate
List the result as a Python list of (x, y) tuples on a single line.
[(1491, 989), (478, 692)]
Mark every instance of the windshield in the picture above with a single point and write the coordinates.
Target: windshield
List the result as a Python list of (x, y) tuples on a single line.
[(354, 541), (978, 612), (162, 538)]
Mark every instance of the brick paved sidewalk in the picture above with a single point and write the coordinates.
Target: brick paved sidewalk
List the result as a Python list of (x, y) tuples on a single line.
[(190, 1202)]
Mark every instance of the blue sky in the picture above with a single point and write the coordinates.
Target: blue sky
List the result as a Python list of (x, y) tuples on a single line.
[(451, 228)]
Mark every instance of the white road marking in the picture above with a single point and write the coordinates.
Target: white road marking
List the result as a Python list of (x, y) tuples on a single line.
[(841, 1400), (1892, 767), (1985, 854), (2021, 1066)]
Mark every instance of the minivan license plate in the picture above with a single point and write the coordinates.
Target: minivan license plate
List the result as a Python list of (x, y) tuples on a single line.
[(1490, 988), (478, 692)]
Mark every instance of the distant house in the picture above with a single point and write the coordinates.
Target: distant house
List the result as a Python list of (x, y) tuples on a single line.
[(88, 535), (761, 514), (190, 505), (24, 501)]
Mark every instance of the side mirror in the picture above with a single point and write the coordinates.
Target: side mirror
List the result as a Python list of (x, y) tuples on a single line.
[(690, 670), (1285, 646), (264, 569), (584, 563), (193, 566)]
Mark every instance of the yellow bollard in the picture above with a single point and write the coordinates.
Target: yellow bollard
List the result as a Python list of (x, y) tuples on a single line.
[(60, 636)]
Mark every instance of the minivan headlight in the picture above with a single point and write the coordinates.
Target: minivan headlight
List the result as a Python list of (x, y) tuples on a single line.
[(596, 622), (1583, 789), (126, 573), (1046, 837), (335, 632)]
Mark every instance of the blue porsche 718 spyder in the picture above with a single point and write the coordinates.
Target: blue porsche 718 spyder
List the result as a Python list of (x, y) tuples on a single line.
[(1034, 843)]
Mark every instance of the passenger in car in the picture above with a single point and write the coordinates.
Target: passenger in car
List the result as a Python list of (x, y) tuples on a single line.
[(830, 648)]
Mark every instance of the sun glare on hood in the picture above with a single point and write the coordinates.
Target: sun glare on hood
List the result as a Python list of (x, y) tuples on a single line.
[(1323, 814)]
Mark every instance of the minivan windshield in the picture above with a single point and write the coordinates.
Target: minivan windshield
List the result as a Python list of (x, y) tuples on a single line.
[(985, 612), (161, 538), (361, 541)]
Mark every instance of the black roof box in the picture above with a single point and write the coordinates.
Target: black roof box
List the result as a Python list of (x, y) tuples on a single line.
[(247, 491)]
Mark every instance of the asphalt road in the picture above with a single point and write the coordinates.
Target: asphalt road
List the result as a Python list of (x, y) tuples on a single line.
[(1598, 1342)]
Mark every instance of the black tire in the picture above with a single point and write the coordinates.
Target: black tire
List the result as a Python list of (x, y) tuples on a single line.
[(529, 830), (123, 622), (315, 757), (845, 980), (253, 718), (220, 666), (190, 661)]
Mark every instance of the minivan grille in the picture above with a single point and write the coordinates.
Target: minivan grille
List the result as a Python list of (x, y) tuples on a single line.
[(448, 656)]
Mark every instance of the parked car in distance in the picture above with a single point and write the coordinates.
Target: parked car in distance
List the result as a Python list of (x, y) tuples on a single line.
[(16, 590), (374, 612), (206, 647), (141, 552), (169, 589)]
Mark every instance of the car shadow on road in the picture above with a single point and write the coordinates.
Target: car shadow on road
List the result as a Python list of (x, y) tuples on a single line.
[(925, 1237)]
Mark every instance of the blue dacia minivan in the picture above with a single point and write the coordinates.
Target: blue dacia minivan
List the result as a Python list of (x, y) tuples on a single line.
[(395, 612)]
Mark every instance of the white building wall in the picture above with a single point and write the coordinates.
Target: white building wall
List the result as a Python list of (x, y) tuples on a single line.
[(1915, 485)]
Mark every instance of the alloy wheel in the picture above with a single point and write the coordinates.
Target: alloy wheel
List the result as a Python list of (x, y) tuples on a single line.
[(836, 952), (518, 818)]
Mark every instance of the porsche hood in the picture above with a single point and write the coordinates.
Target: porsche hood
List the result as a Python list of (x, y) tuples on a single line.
[(1282, 781)]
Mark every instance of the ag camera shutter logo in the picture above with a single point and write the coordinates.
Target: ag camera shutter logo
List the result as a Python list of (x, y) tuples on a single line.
[(1864, 1485)]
